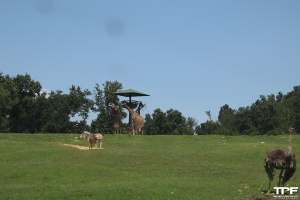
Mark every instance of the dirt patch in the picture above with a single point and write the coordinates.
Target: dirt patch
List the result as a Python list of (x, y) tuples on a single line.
[(78, 146)]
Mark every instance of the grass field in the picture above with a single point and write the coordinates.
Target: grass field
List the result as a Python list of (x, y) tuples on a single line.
[(39, 166)]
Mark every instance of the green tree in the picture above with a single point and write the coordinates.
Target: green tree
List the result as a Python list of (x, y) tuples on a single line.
[(5, 102), (57, 117), (291, 101), (227, 117), (266, 116), (149, 126), (176, 122), (62, 107), (103, 97), (191, 125), (23, 94), (159, 119), (80, 104), (171, 122), (244, 122), (208, 127)]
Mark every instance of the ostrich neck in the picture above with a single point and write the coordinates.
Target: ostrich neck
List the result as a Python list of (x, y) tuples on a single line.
[(290, 143), (288, 152)]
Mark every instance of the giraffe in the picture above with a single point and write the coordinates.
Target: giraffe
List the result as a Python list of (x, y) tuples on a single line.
[(137, 121), (138, 110), (118, 123)]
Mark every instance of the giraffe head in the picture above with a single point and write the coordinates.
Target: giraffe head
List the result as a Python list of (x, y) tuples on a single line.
[(141, 105), (112, 105), (124, 103)]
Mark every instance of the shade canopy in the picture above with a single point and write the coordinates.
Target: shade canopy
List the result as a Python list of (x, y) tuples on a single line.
[(130, 93)]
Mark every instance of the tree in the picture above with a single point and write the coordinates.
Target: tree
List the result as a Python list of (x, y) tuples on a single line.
[(159, 120), (176, 122), (149, 126), (191, 125), (227, 117), (57, 117), (61, 107), (79, 101), (244, 122), (5, 103), (292, 101), (265, 115), (169, 123), (208, 127), (103, 97), (24, 92)]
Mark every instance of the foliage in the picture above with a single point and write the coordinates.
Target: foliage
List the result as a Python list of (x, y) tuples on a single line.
[(269, 115), (171, 122), (19, 95), (103, 97), (25, 108), (61, 107)]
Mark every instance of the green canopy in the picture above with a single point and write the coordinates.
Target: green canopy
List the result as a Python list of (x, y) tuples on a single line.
[(130, 93)]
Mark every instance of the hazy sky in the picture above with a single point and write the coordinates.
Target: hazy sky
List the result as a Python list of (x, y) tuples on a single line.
[(192, 56)]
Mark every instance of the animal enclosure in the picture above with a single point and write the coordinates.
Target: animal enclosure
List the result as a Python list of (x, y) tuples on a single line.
[(138, 167)]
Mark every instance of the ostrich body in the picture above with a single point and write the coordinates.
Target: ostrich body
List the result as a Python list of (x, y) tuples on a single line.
[(283, 159)]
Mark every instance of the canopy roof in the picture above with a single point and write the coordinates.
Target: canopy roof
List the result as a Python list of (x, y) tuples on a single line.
[(130, 93)]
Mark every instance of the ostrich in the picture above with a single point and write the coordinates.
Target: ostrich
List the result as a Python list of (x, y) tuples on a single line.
[(280, 158)]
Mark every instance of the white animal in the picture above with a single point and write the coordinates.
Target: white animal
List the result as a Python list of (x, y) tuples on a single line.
[(92, 139)]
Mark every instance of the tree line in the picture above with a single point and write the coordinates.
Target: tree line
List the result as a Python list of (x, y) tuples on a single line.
[(26, 108), (268, 115)]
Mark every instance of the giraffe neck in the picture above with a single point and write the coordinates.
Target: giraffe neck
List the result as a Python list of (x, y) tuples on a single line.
[(115, 114), (129, 109), (139, 110)]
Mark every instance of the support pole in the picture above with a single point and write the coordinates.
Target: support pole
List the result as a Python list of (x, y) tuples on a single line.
[(129, 115)]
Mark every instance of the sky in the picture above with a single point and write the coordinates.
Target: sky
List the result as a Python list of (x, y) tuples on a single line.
[(192, 56)]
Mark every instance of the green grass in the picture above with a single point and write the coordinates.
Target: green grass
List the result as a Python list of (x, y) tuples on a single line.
[(38, 166)]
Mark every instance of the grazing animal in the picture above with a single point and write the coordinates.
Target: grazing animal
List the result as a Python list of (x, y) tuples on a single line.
[(137, 121), (138, 110), (118, 123), (283, 159), (92, 139)]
